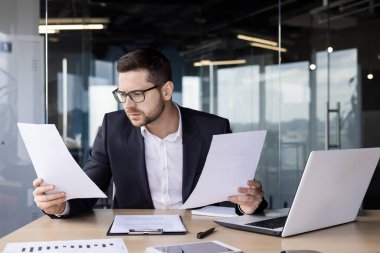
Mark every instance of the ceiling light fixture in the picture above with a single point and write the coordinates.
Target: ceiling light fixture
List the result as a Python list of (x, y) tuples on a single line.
[(226, 62), (54, 25), (48, 31), (60, 21), (255, 39), (282, 49), (57, 28), (313, 66)]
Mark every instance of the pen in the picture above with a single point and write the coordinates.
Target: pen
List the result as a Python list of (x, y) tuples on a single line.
[(202, 235)]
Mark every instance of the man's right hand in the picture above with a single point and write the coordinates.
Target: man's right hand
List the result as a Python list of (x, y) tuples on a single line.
[(49, 203)]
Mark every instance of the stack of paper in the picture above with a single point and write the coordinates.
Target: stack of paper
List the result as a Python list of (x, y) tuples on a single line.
[(216, 211)]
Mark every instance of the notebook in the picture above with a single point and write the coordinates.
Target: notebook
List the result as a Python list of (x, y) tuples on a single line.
[(330, 193)]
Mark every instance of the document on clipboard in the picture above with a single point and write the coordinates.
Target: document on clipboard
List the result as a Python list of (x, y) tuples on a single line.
[(147, 225)]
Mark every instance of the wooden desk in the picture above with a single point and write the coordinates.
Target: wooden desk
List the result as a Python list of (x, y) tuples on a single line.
[(356, 237)]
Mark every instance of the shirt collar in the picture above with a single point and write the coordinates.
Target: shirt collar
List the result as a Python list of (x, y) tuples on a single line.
[(176, 136)]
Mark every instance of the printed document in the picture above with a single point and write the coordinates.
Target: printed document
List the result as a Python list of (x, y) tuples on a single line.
[(54, 164), (114, 245), (231, 161)]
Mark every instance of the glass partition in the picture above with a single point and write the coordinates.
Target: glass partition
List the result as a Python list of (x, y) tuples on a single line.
[(299, 70), (278, 66), (21, 100)]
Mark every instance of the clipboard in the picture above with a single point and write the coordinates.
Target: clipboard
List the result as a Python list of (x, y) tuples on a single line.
[(147, 225)]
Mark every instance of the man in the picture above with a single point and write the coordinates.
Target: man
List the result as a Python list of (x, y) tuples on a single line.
[(154, 151)]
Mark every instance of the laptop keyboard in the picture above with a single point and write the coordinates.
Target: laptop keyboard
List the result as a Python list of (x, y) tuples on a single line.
[(270, 223)]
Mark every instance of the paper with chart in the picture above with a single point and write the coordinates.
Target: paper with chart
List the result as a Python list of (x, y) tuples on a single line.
[(114, 245), (54, 164), (231, 161)]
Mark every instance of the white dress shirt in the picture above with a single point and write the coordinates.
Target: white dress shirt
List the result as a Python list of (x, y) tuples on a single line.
[(164, 165)]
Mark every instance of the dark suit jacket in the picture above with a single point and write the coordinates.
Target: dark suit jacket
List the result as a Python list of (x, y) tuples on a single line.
[(118, 152)]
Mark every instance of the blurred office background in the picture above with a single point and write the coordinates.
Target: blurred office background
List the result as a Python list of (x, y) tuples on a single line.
[(306, 71)]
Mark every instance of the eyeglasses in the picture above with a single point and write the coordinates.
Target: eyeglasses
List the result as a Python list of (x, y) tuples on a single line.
[(136, 96)]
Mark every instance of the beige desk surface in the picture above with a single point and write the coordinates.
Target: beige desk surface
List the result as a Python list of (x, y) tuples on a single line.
[(356, 237)]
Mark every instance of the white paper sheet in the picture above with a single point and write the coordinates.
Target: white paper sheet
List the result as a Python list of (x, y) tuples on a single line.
[(168, 223), (232, 160), (215, 211), (114, 245), (54, 164)]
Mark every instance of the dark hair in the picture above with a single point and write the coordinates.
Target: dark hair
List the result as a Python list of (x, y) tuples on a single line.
[(157, 65)]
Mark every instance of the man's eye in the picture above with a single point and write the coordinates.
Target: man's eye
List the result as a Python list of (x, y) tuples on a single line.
[(137, 94)]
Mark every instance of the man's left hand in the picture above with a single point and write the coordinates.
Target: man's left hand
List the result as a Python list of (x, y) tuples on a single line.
[(249, 198)]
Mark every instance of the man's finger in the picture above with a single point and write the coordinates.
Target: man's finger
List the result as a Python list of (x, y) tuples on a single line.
[(50, 197), (254, 183), (37, 182), (42, 189), (46, 205), (250, 191)]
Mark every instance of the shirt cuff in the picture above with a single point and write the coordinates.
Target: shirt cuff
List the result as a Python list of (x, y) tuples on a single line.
[(241, 210), (66, 211)]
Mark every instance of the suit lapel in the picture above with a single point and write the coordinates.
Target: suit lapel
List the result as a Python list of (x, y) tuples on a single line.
[(192, 147), (136, 152), (192, 150)]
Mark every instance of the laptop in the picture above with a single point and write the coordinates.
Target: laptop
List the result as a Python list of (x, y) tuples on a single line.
[(330, 193)]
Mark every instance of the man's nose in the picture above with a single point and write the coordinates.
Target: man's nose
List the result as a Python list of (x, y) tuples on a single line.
[(129, 103)]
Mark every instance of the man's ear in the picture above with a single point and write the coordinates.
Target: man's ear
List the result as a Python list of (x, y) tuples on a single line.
[(167, 90)]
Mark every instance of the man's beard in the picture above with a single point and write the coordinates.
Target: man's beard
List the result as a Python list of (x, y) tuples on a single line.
[(147, 119)]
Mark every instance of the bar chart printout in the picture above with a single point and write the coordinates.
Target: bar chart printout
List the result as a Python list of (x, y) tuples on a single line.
[(114, 245)]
